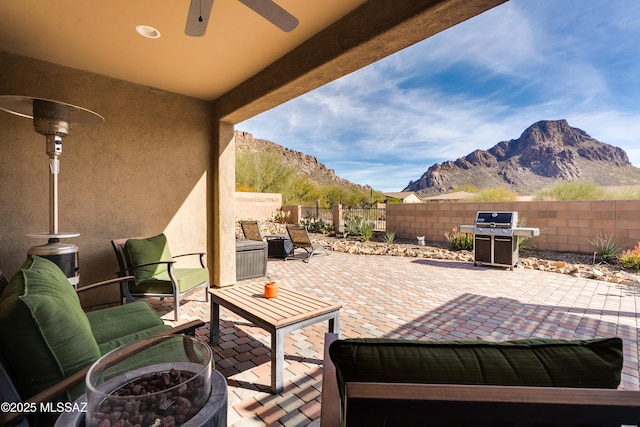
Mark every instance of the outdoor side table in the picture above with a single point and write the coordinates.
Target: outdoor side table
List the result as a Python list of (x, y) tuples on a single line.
[(279, 246), (291, 310)]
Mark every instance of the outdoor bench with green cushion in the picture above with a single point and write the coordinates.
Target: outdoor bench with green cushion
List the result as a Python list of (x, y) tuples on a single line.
[(396, 382), (46, 337)]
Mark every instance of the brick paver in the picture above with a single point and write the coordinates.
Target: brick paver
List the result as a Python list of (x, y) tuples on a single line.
[(411, 298)]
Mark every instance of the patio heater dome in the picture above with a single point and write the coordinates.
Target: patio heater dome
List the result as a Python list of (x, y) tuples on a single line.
[(53, 119)]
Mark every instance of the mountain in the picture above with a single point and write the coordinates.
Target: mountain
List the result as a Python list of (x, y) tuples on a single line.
[(302, 163), (546, 152)]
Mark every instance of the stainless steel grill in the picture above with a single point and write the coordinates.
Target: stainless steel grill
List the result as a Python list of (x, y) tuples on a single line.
[(495, 238)]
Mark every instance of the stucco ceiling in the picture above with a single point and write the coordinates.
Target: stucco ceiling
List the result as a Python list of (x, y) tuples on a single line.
[(100, 36), (244, 64)]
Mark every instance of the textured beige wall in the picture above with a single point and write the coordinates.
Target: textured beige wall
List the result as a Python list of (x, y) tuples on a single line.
[(564, 226), (259, 206), (141, 172)]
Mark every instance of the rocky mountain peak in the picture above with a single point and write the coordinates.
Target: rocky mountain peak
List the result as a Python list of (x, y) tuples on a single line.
[(547, 151), (303, 164)]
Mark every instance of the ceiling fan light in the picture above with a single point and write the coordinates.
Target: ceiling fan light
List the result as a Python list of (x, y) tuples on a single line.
[(148, 31)]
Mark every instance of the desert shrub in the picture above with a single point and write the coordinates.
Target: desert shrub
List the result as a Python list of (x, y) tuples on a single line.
[(265, 172), (389, 238), (524, 241), (317, 225), (572, 191), (606, 247), (498, 194), (280, 216), (244, 188), (459, 241), (631, 258), (360, 228), (366, 230)]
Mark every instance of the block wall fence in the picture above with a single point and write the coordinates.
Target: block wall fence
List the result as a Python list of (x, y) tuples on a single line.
[(257, 206), (564, 226)]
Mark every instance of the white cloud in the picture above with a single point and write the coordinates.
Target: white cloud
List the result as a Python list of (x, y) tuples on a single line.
[(501, 40)]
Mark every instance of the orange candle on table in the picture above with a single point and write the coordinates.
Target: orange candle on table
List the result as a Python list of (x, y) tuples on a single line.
[(271, 290)]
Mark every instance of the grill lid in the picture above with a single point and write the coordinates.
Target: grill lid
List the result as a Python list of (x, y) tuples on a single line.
[(496, 219)]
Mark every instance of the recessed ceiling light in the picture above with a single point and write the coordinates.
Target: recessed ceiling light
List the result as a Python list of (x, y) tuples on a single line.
[(148, 31)]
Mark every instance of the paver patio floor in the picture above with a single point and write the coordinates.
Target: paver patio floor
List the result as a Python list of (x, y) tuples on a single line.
[(413, 298)]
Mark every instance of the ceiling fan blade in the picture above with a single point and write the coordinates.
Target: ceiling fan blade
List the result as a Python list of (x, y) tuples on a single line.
[(198, 17), (273, 13)]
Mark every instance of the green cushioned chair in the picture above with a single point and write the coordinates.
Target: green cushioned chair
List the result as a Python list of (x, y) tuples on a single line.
[(47, 341), (150, 261)]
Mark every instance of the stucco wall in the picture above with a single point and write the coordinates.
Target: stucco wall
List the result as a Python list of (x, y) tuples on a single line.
[(564, 226), (257, 206), (141, 172)]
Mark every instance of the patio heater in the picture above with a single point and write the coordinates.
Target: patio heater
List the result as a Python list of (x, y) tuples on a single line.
[(53, 119)]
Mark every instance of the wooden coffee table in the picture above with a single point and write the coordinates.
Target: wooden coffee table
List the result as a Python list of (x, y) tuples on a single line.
[(291, 310)]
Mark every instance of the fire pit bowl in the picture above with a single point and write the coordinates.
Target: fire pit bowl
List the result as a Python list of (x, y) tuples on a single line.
[(162, 380)]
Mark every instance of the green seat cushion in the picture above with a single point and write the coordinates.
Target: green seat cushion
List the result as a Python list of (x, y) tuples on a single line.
[(187, 278), (114, 322), (143, 251), (44, 334), (531, 362)]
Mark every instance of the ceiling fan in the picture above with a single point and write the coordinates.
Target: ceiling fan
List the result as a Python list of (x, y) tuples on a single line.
[(200, 10)]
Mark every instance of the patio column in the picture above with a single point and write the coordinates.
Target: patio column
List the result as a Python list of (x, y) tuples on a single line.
[(336, 213), (221, 218)]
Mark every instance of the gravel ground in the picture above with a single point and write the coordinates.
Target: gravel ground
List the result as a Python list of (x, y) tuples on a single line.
[(578, 265)]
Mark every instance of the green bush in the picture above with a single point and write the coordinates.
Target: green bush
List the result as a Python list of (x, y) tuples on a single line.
[(360, 228), (571, 191), (317, 225), (498, 194), (389, 238), (631, 258), (607, 248), (459, 241), (366, 230), (523, 241)]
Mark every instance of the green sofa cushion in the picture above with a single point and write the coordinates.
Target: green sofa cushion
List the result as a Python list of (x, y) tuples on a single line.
[(143, 251), (531, 362), (44, 333), (115, 322), (107, 346)]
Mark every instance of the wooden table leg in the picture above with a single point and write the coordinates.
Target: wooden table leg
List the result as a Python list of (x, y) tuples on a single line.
[(277, 361), (214, 322)]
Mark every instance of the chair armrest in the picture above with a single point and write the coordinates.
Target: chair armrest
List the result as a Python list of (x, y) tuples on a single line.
[(330, 408), (488, 405), (79, 376), (147, 264), (190, 254), (104, 283), (200, 255)]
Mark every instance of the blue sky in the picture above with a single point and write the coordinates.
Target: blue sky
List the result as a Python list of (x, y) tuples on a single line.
[(476, 84)]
